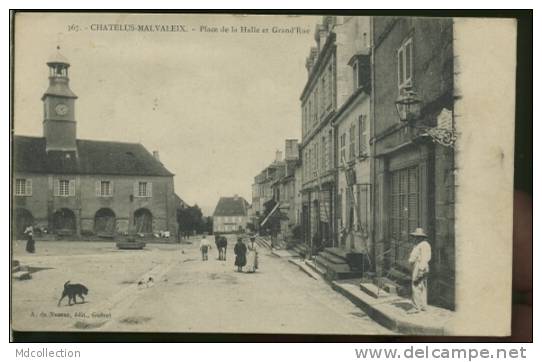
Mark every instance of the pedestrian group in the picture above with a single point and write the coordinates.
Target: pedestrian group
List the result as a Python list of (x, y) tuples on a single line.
[(246, 256)]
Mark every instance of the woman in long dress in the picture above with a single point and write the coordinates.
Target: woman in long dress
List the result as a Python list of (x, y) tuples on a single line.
[(240, 251), (30, 244), (252, 256)]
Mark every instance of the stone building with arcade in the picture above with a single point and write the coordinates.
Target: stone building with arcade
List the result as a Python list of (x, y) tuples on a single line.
[(75, 187)]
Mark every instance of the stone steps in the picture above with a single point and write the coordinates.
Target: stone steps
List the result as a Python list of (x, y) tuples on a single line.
[(373, 290), (327, 264), (263, 242), (332, 258), (334, 271), (386, 311), (337, 252), (392, 287), (301, 249), (315, 267)]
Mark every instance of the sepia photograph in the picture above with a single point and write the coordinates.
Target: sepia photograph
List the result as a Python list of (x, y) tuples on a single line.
[(261, 174)]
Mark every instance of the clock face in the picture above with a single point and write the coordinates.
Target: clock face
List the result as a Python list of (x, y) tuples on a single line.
[(62, 109)]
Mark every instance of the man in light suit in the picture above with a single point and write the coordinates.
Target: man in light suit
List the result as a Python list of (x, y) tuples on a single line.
[(419, 259)]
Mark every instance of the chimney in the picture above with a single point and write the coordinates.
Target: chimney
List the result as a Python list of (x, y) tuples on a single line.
[(156, 155), (278, 156), (322, 32), (311, 59), (235, 197), (291, 148)]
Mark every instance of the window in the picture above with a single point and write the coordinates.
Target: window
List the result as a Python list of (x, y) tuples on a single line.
[(340, 209), (359, 72), (363, 199), (329, 96), (104, 188), (23, 187), (362, 127), (65, 187), (303, 120), (355, 72), (309, 122), (143, 189), (330, 150), (316, 159), (324, 95), (342, 149), (309, 164), (405, 205), (314, 110), (404, 64), (352, 144), (324, 153), (317, 103)]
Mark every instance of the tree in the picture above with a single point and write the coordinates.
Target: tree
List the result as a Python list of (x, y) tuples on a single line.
[(189, 219)]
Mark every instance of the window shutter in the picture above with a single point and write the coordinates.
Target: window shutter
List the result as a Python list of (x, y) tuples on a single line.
[(98, 188), (28, 187), (111, 188), (149, 189), (57, 188), (400, 67), (136, 184), (408, 61), (72, 188)]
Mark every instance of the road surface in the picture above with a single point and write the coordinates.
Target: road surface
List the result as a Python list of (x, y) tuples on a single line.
[(186, 295)]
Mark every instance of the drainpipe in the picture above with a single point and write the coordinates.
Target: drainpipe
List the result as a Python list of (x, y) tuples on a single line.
[(372, 157)]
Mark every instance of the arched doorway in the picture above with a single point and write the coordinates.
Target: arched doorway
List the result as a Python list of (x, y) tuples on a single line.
[(23, 218), (104, 222), (64, 221), (143, 221)]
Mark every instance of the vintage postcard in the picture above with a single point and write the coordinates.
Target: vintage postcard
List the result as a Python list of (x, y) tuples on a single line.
[(284, 174)]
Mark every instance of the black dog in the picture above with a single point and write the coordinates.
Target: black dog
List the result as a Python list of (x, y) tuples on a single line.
[(73, 290)]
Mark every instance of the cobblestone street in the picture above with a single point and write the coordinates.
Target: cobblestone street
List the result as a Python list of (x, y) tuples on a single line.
[(188, 295)]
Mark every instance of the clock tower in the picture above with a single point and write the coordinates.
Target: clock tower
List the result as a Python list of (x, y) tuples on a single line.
[(58, 111)]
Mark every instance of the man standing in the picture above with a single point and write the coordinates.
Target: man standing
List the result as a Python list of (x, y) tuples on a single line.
[(204, 246), (419, 259)]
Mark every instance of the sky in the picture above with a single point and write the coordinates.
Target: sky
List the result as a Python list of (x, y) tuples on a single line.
[(216, 105)]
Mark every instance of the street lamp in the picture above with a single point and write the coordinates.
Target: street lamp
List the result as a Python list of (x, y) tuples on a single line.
[(408, 105)]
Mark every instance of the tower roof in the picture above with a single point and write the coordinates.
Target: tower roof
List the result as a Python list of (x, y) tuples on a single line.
[(57, 58)]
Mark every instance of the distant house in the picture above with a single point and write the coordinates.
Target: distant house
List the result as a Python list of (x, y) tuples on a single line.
[(71, 186), (230, 215)]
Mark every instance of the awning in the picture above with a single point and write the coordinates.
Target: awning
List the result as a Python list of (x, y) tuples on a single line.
[(271, 213)]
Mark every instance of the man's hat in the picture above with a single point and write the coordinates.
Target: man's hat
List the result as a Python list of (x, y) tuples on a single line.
[(419, 232)]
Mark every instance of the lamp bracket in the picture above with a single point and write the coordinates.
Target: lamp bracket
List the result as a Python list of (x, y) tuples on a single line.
[(443, 136)]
